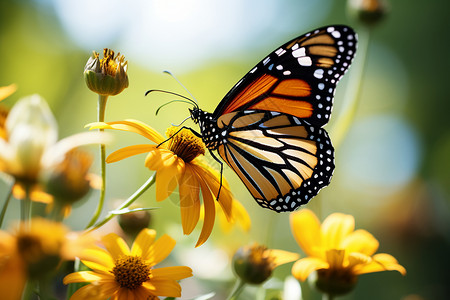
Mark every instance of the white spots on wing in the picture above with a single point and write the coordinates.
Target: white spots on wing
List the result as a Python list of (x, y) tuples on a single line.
[(254, 70), (280, 51), (295, 47), (299, 52), (336, 34), (330, 29), (318, 73), (305, 61), (321, 86), (266, 60), (287, 72), (279, 67)]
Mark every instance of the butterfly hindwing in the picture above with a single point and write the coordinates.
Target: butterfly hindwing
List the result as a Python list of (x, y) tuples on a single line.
[(283, 160), (298, 78)]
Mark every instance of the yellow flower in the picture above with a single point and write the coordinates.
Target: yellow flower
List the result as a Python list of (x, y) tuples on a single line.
[(106, 76), (33, 250), (177, 162), (30, 143), (121, 273), (336, 251), (254, 264)]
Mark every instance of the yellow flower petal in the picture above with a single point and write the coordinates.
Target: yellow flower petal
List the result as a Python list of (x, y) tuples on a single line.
[(166, 288), (240, 215), (335, 258), (209, 212), (6, 91), (159, 250), (143, 241), (172, 273), (95, 292), (360, 241), (130, 126), (282, 257), (115, 246), (129, 151), (335, 228), (189, 199), (12, 273), (305, 227), (97, 259), (84, 276), (380, 262), (305, 266), (212, 179), (169, 168)]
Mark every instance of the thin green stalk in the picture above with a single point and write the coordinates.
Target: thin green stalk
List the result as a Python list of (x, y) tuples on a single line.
[(237, 289), (327, 297), (5, 206), (353, 91), (25, 206), (128, 202), (73, 287), (101, 108)]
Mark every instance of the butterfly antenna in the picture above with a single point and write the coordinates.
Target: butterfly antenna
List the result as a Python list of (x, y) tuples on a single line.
[(187, 118), (179, 82)]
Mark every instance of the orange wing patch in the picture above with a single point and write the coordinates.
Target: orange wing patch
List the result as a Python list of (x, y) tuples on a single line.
[(293, 87), (252, 91), (278, 100), (301, 109)]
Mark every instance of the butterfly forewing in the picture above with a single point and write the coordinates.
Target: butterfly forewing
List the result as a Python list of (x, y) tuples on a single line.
[(298, 78), (268, 128), (283, 161)]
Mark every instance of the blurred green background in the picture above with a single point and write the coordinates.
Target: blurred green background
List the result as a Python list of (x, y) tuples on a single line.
[(392, 169)]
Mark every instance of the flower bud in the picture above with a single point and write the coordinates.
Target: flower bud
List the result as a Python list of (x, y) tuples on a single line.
[(253, 264), (368, 12), (67, 181), (333, 283), (132, 223), (31, 128), (106, 76)]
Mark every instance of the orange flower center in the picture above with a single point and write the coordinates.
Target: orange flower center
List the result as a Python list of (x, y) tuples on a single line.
[(131, 271), (185, 144), (109, 62)]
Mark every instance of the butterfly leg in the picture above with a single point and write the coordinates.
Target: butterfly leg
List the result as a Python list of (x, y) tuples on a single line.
[(184, 127), (221, 172)]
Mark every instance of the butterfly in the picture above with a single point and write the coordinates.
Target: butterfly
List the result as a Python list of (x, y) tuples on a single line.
[(268, 127)]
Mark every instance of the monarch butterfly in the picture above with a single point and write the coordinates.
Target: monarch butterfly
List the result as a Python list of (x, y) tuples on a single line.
[(268, 127)]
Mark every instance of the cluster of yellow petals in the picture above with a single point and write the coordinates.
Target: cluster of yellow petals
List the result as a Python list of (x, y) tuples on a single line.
[(336, 245)]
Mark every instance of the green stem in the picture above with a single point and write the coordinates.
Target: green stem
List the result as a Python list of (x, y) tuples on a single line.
[(57, 213), (5, 206), (101, 108), (128, 202), (29, 290), (73, 287), (237, 290), (327, 297), (353, 91), (25, 206)]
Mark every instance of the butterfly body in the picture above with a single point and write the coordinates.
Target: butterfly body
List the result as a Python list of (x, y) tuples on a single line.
[(268, 127)]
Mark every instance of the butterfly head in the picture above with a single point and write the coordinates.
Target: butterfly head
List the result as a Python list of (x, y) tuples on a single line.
[(195, 114)]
